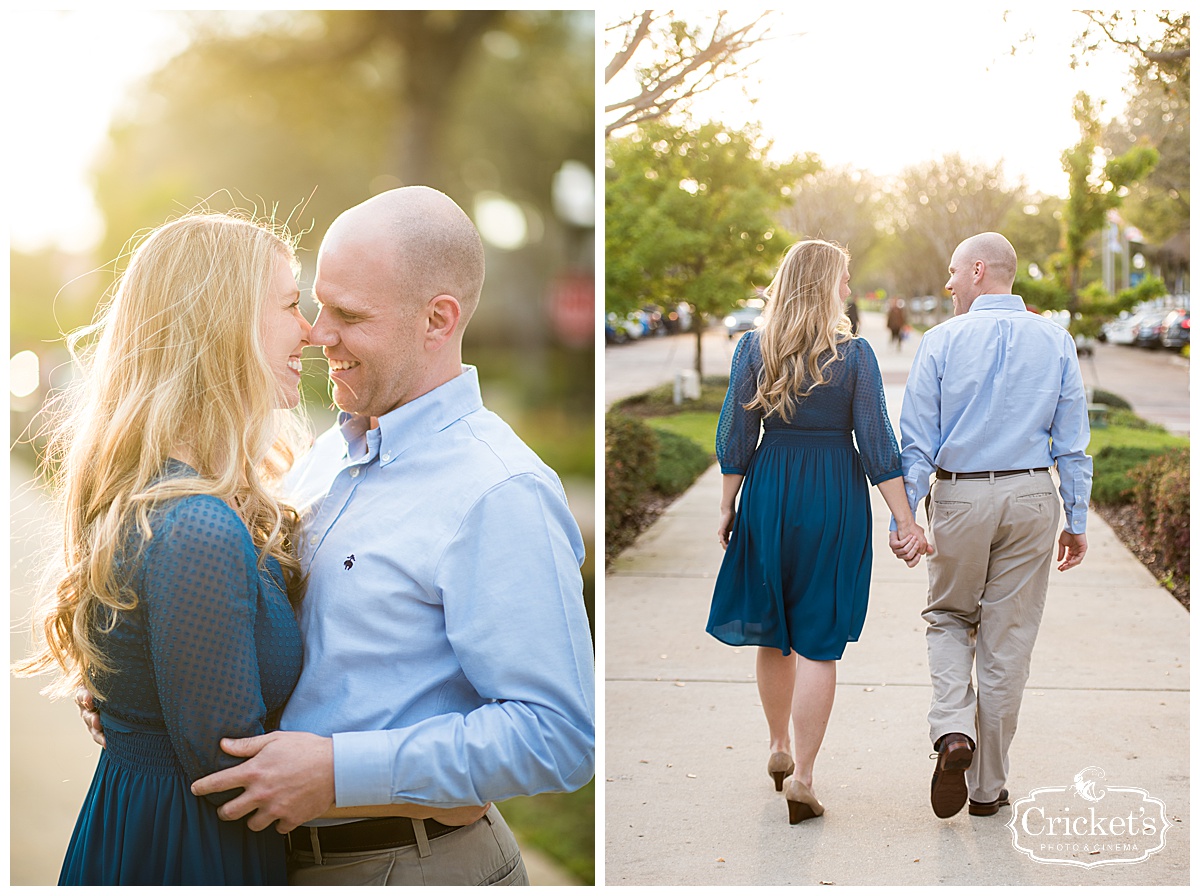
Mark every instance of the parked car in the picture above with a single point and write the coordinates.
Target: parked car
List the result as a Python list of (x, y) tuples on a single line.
[(678, 318), (748, 317), (1121, 331), (1150, 330), (1177, 329), (620, 329), (652, 320)]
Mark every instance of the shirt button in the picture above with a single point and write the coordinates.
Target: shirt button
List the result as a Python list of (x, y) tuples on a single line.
[(312, 539), (387, 456), (354, 473)]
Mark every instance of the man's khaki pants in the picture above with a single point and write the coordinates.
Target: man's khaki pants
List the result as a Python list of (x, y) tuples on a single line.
[(994, 544), (482, 854)]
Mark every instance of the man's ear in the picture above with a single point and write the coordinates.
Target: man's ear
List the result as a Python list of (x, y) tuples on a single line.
[(443, 314)]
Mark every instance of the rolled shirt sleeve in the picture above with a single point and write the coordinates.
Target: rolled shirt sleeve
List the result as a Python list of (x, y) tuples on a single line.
[(510, 586)]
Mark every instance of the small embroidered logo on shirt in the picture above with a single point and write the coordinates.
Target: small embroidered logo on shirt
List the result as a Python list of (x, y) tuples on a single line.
[(348, 562)]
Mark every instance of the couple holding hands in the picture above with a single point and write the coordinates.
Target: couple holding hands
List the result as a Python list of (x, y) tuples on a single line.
[(994, 400)]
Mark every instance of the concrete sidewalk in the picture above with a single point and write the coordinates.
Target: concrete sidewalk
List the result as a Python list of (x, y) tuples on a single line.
[(687, 797)]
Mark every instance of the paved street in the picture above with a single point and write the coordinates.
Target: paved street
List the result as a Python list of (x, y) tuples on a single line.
[(1156, 383), (638, 366)]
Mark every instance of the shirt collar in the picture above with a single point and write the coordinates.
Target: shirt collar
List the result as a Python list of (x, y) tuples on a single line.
[(995, 302), (412, 422)]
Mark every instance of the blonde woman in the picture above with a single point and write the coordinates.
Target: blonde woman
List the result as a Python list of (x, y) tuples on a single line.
[(797, 564), (174, 606)]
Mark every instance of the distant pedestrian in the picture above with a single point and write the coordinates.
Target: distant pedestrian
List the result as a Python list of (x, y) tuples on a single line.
[(994, 399), (797, 567), (897, 320)]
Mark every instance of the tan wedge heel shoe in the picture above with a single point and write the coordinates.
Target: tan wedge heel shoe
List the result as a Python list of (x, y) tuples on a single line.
[(779, 766), (802, 802)]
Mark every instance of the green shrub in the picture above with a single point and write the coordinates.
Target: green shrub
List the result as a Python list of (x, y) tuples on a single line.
[(1162, 494), (630, 460), (680, 461), (1100, 396), (1111, 468), (1130, 420)]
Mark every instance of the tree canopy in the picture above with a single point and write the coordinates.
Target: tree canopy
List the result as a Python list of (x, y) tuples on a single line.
[(672, 61), (691, 215)]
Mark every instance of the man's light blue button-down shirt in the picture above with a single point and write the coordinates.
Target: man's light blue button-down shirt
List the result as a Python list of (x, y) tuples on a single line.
[(446, 645), (997, 388)]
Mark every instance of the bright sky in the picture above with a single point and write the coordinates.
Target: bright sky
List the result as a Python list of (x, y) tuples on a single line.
[(67, 73), (880, 87)]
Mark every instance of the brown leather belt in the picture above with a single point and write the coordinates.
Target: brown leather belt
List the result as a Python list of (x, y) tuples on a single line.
[(995, 474), (368, 835)]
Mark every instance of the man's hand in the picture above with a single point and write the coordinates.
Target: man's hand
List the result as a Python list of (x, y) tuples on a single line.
[(91, 718), (1073, 547), (288, 778)]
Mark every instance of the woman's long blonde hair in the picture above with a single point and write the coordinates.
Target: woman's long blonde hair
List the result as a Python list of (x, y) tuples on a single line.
[(804, 323), (173, 364)]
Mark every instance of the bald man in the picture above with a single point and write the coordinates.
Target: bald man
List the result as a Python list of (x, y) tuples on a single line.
[(447, 653), (994, 400)]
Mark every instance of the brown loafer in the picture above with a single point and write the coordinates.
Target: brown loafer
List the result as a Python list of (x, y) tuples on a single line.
[(977, 808), (948, 789)]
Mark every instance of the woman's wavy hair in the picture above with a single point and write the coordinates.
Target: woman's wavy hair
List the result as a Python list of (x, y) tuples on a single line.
[(173, 364), (804, 323)]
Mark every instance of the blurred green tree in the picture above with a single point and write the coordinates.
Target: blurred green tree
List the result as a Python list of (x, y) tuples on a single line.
[(933, 206), (1034, 227), (317, 110), (1158, 204), (1094, 190), (691, 214), (838, 204)]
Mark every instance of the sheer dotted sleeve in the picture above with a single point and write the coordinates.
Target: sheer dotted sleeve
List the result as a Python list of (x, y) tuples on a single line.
[(200, 591), (738, 429), (872, 427)]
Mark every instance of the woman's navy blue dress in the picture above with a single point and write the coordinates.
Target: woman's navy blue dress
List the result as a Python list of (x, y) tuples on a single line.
[(798, 567), (212, 650)]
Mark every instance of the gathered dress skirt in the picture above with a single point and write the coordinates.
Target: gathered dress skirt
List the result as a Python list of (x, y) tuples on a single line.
[(140, 824), (797, 572)]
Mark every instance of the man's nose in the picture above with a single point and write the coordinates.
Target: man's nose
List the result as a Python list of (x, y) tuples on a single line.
[(320, 333)]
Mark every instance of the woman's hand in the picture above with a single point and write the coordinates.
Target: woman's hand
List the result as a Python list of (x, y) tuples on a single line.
[(89, 714), (725, 527), (909, 543)]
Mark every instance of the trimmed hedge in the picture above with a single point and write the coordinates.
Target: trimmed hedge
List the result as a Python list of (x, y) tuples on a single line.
[(1100, 396), (642, 463), (680, 462), (630, 461), (1113, 465), (1162, 495)]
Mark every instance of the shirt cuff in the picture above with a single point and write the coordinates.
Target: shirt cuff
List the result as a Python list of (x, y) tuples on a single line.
[(362, 772), (1076, 522)]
